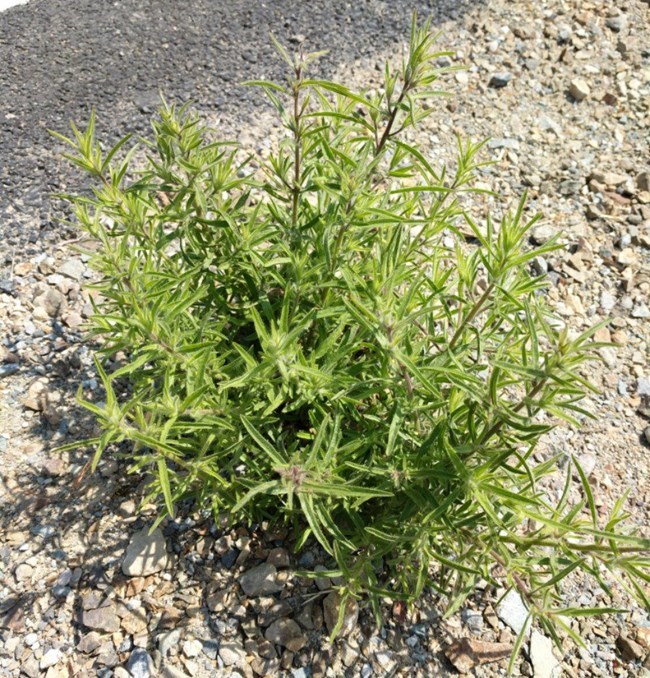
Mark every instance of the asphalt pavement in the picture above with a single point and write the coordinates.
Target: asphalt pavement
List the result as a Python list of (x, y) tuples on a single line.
[(61, 58)]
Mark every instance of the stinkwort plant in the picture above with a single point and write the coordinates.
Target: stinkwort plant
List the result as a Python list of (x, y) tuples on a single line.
[(313, 338)]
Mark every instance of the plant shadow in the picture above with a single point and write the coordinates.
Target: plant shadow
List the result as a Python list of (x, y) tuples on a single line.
[(74, 527)]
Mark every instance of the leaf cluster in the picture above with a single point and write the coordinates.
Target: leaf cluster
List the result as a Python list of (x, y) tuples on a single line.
[(327, 338)]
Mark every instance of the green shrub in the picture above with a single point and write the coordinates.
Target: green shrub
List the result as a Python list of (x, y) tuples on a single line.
[(327, 338)]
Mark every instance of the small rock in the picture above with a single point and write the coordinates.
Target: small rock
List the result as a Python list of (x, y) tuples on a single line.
[(503, 142), (167, 641), (229, 558), (265, 667), (608, 178), (500, 80), (569, 187), (322, 583), (643, 181), (134, 623), (30, 668), (545, 665), (35, 398), (50, 658), (91, 600), (279, 557), (72, 319), (40, 314), (140, 664), (579, 89), (30, 640), (126, 508), (643, 632), (8, 370), (173, 672), (73, 268), (542, 234), (107, 655), (640, 311), (192, 648), (607, 301), (61, 592), (512, 611), (217, 601), (646, 433), (608, 355), (275, 611), (231, 653), (366, 671), (51, 301), (23, 572), (287, 633), (350, 654), (23, 268), (43, 531), (331, 606), (146, 554), (102, 619), (385, 662), (54, 467), (627, 257), (51, 407), (260, 581), (210, 648), (473, 620), (465, 653), (89, 643), (630, 650), (587, 463), (548, 124), (643, 386), (616, 23)]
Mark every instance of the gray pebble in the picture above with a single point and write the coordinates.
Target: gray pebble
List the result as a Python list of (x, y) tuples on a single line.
[(140, 664), (499, 80)]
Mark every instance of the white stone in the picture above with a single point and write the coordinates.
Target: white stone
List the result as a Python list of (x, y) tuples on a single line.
[(146, 554), (31, 639), (512, 611), (579, 89), (545, 665), (73, 268), (166, 641), (231, 653), (607, 301), (50, 658), (192, 648)]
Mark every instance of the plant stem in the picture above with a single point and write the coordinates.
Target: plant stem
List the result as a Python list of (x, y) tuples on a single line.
[(407, 380), (497, 426), (392, 116), (521, 585), (471, 315), (297, 136)]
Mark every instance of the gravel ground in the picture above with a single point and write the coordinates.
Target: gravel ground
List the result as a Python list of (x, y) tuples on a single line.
[(562, 88)]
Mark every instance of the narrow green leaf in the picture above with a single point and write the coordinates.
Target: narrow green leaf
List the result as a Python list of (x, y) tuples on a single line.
[(163, 477), (262, 443)]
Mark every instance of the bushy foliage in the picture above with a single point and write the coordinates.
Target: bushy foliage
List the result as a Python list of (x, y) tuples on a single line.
[(327, 338)]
